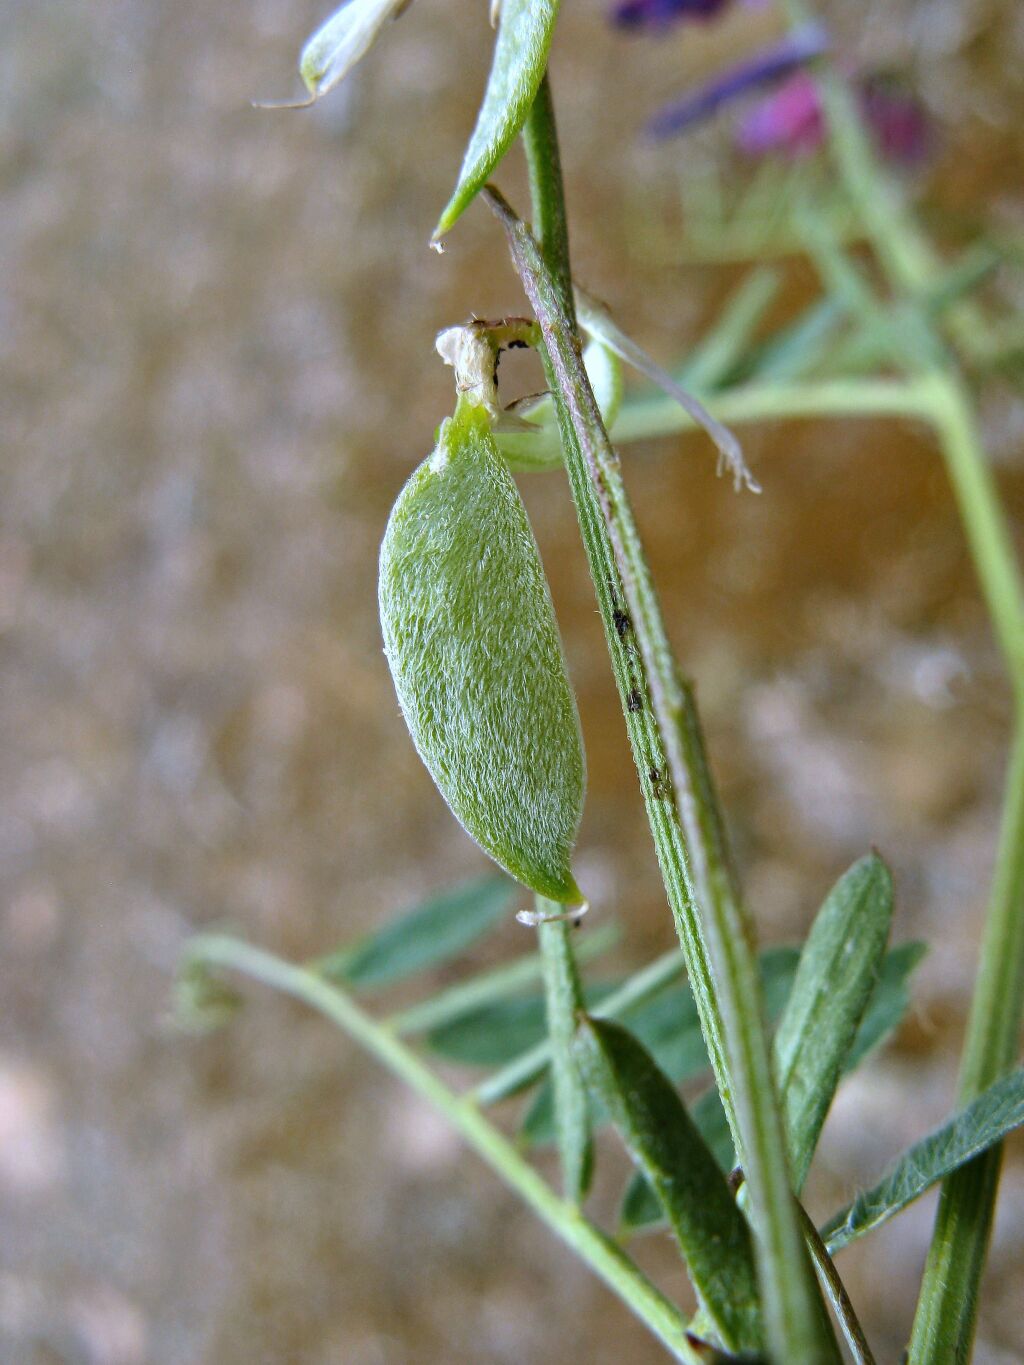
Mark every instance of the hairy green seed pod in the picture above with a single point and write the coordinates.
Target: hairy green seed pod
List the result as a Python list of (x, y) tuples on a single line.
[(470, 635)]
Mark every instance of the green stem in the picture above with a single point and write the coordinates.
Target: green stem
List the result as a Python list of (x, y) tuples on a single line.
[(947, 1308), (455, 1002), (525, 1069), (988, 535), (628, 670), (564, 997), (644, 419), (606, 1259), (730, 999), (836, 1292)]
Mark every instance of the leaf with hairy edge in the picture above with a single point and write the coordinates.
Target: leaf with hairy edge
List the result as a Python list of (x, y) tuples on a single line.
[(664, 1143), (889, 1002), (520, 59), (838, 970), (995, 1113), (433, 932)]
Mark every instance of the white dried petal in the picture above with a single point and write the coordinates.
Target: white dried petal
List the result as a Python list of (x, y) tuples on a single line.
[(341, 40)]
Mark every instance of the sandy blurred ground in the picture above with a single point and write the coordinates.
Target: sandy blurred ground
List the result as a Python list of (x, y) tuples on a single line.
[(216, 331)]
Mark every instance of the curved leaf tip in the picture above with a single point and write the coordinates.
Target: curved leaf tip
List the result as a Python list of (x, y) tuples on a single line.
[(520, 60)]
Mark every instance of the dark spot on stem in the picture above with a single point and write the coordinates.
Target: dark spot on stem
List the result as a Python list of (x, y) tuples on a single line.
[(634, 701), (621, 621)]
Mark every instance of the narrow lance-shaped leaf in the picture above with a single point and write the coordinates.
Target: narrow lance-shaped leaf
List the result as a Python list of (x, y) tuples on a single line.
[(465, 1000), (886, 1008), (995, 1113), (564, 1000), (641, 1207), (520, 59), (889, 1002), (838, 970), (718, 352), (664, 1143), (476, 658), (430, 933)]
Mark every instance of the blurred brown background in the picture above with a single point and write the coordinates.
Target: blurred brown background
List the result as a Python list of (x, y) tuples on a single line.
[(217, 336)]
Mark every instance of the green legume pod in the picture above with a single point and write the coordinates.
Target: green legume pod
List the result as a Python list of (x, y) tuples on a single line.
[(470, 635)]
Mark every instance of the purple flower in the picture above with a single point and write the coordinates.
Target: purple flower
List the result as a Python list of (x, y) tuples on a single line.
[(790, 120), (767, 66), (897, 119), (659, 14)]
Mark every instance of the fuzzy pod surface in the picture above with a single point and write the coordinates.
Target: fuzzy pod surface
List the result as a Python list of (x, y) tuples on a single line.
[(474, 650)]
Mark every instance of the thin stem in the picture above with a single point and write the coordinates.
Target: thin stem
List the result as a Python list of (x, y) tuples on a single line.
[(723, 931), (946, 1311), (525, 1069), (455, 1002), (606, 1259), (564, 998), (644, 419), (836, 1292), (988, 535)]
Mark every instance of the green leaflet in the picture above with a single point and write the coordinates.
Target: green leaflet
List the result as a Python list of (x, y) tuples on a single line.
[(722, 348), (520, 59), (438, 929), (984, 1122), (641, 1207), (470, 635), (886, 1008), (889, 1002), (664, 1143), (839, 967)]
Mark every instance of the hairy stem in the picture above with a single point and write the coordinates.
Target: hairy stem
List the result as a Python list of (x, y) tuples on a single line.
[(564, 1000), (715, 931)]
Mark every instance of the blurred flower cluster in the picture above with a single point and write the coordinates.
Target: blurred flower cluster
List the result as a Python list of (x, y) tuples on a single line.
[(789, 121)]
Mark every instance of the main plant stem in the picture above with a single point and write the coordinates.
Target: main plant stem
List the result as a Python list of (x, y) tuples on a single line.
[(606, 1259), (713, 926)]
